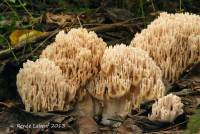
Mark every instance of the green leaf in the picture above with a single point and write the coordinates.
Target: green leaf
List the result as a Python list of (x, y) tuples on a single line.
[(193, 126)]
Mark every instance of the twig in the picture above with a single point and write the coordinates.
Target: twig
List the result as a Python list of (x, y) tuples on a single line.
[(176, 125), (79, 22), (113, 27)]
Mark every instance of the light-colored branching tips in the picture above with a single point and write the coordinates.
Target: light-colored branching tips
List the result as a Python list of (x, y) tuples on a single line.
[(78, 54), (167, 108), (173, 41), (128, 76), (42, 86)]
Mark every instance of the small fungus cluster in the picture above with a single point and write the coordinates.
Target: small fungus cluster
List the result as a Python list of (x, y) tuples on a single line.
[(79, 67), (173, 41), (167, 108)]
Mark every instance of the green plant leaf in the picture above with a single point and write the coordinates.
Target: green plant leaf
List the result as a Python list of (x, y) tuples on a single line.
[(193, 126)]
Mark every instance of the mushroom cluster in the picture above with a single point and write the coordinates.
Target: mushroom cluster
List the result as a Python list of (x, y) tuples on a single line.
[(64, 67), (112, 80), (78, 55), (167, 108), (127, 77), (173, 41), (42, 86)]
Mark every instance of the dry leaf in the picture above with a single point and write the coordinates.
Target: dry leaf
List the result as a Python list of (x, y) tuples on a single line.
[(87, 125), (128, 127), (22, 35), (59, 19)]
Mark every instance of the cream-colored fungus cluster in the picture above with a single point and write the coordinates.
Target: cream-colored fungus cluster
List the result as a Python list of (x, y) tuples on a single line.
[(65, 66), (128, 76), (78, 54), (173, 41), (109, 80), (167, 108), (42, 86)]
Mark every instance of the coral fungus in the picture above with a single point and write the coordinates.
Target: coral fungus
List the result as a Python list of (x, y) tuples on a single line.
[(167, 108), (173, 41), (42, 86), (127, 76)]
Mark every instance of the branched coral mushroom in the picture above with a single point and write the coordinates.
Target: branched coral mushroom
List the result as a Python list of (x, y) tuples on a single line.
[(167, 108), (128, 75), (42, 86), (173, 41), (78, 55)]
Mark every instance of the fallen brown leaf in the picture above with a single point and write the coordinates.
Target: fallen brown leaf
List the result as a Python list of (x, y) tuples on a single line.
[(128, 127), (59, 19), (87, 125)]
